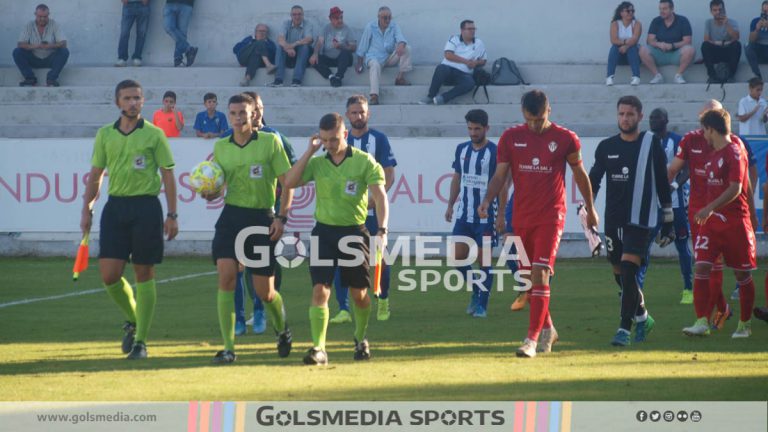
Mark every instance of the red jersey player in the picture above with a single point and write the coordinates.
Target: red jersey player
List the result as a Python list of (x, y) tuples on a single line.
[(535, 154), (725, 223)]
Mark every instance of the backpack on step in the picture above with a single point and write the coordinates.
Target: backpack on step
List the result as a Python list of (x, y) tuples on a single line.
[(505, 72), (721, 76)]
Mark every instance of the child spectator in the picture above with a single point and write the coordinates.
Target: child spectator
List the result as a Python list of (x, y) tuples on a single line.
[(753, 110), (210, 123), (167, 118)]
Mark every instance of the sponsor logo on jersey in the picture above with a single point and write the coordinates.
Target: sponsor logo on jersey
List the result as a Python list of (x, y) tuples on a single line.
[(351, 187), (613, 156), (535, 161), (139, 162), (257, 172), (624, 176), (521, 144), (694, 151)]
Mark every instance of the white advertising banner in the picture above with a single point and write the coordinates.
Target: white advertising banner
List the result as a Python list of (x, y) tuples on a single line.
[(42, 182)]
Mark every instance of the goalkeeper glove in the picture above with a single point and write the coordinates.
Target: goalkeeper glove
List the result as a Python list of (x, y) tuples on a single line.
[(667, 233)]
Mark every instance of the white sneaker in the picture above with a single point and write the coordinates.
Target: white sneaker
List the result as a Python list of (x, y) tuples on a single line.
[(137, 62), (547, 338), (657, 79), (679, 79), (527, 349), (743, 330), (121, 63), (699, 328), (245, 82), (609, 81), (635, 81)]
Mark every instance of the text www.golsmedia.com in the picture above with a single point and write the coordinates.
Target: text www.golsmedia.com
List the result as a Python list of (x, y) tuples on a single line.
[(96, 418)]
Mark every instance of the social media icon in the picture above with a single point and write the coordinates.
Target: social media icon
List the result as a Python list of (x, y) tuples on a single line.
[(669, 416), (641, 416), (682, 416), (695, 416), (655, 416)]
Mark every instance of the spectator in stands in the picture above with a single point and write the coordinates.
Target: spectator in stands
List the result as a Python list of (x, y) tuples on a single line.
[(334, 47), (295, 46), (133, 11), (462, 54), (721, 40), (168, 118), (254, 52), (210, 123), (753, 110), (625, 38), (669, 42), (757, 49), (176, 17), (383, 44), (42, 44)]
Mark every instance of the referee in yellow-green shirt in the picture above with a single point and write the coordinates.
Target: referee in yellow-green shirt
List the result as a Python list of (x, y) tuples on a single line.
[(132, 151), (343, 177)]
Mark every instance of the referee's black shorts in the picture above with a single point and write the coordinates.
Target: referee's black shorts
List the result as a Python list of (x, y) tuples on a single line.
[(328, 240), (234, 219), (131, 229), (629, 239)]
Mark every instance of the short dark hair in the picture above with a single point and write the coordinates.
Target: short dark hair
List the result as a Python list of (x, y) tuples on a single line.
[(534, 102), (714, 3), (241, 98), (331, 122), (125, 84), (717, 119), (357, 99), (297, 7), (755, 81), (477, 116), (632, 101), (42, 7), (169, 94), (465, 22), (671, 3), (208, 96)]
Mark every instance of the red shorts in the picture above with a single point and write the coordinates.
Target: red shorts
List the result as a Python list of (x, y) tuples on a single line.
[(541, 243), (734, 240)]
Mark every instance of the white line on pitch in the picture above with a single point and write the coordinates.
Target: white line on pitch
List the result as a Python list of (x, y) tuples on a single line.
[(93, 291)]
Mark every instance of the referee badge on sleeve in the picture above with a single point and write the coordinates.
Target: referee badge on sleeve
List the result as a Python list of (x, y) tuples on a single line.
[(351, 187), (139, 162), (256, 172)]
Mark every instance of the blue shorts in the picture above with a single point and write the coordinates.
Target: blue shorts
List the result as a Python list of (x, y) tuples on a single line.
[(476, 231), (508, 216)]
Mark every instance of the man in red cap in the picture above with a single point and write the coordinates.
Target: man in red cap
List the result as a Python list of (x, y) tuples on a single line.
[(334, 47)]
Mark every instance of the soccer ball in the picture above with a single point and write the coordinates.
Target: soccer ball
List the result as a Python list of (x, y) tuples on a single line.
[(206, 177)]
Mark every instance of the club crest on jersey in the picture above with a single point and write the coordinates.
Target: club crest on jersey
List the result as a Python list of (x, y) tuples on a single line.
[(139, 162), (552, 146), (257, 172), (720, 163), (351, 187)]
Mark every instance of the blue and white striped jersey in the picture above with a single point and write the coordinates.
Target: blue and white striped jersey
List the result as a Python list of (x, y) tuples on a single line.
[(476, 168)]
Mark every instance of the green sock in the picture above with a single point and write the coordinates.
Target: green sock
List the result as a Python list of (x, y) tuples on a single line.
[(146, 297), (276, 312), (361, 320), (318, 319), (226, 305), (122, 294)]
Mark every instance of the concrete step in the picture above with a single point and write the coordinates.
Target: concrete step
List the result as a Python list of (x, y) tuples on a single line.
[(534, 73)]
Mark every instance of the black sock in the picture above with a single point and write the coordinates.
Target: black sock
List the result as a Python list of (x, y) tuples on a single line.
[(630, 293)]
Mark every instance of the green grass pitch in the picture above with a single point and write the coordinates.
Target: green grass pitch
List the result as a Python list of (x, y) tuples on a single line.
[(69, 349)]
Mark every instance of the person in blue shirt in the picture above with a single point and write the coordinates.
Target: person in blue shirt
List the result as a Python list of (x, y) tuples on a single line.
[(757, 50), (210, 123), (377, 144)]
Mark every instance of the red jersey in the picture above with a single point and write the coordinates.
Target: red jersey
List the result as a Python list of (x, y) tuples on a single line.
[(695, 150), (537, 163), (726, 166), (165, 121)]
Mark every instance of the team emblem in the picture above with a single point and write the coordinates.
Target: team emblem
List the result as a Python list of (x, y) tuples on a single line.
[(720, 163), (256, 171), (552, 146), (351, 187), (139, 162)]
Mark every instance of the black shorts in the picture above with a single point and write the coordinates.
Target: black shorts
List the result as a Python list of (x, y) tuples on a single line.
[(328, 238), (131, 229), (629, 239), (231, 221)]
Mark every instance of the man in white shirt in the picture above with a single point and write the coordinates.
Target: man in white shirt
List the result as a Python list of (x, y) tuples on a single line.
[(463, 53), (42, 44), (753, 110)]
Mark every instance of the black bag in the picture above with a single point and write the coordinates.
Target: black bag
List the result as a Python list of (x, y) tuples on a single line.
[(482, 79), (721, 76), (505, 72)]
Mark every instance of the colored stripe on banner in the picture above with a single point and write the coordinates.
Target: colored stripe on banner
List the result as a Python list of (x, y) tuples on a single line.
[(240, 417), (205, 415), (229, 417), (192, 417), (216, 422), (554, 416), (530, 417), (567, 412), (519, 417), (542, 416)]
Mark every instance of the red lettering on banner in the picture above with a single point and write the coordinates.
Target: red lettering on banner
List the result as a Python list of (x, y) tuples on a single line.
[(47, 184), (439, 185), (402, 188), (422, 200), (17, 193), (57, 188), (184, 185)]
